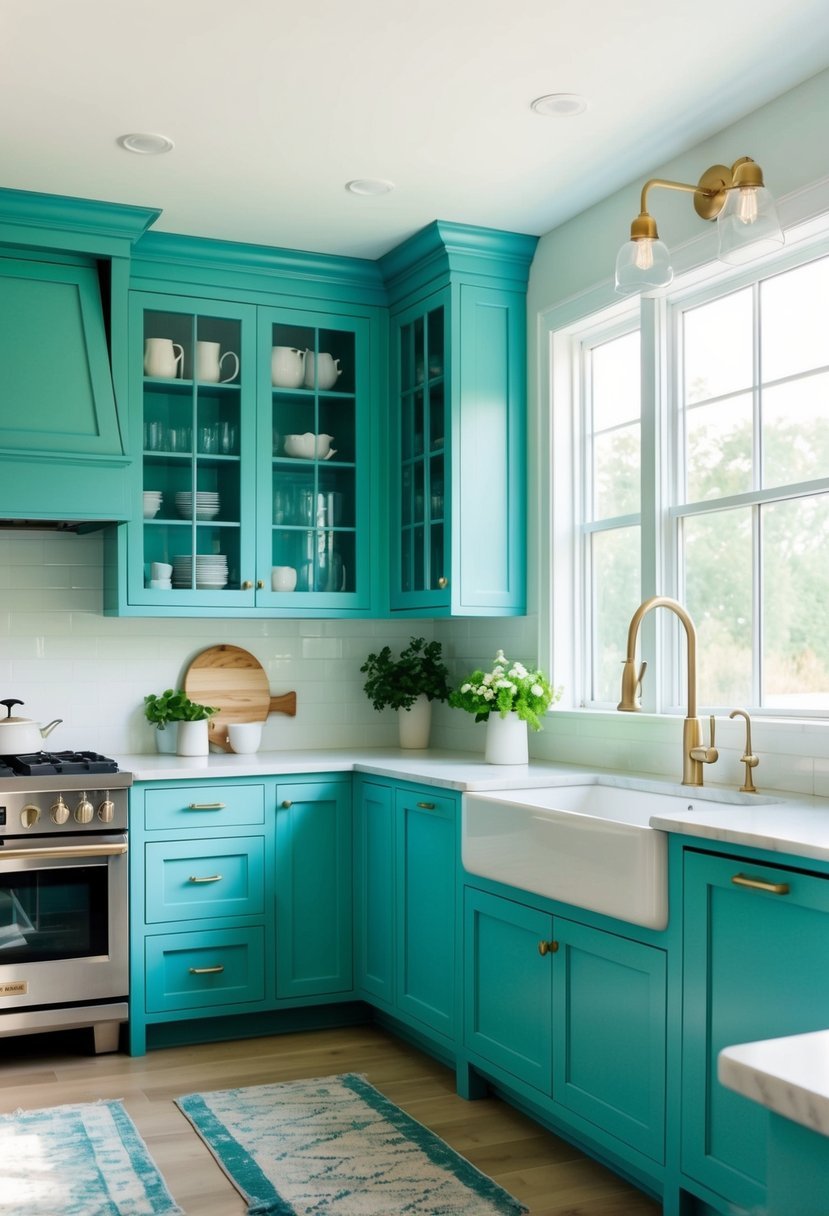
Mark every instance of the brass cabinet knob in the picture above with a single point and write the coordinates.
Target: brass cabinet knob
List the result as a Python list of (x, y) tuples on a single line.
[(259, 584), (286, 802), (547, 947), (246, 585), (443, 582)]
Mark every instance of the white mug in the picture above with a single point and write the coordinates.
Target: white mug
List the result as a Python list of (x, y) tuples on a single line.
[(161, 570), (244, 737), (209, 364), (283, 578), (160, 358), (287, 366), (328, 370)]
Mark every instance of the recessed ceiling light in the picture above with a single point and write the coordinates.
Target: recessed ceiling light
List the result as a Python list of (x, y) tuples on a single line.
[(145, 143), (369, 185), (559, 105)]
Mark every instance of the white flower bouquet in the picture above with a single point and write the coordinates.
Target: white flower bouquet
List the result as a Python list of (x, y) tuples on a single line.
[(509, 688)]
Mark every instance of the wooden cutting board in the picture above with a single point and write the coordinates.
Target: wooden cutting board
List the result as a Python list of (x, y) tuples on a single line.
[(236, 682)]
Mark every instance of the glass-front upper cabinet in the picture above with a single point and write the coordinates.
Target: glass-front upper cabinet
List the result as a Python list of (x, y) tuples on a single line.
[(196, 536), (420, 512), (314, 460)]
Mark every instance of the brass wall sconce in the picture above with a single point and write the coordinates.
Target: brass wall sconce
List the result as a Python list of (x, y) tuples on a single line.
[(737, 198)]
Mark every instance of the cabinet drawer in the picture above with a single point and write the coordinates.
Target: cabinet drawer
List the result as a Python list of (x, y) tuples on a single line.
[(193, 880), (201, 970), (193, 807)]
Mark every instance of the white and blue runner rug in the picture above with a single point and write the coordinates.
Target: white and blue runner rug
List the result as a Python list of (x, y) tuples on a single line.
[(334, 1146), (84, 1160)]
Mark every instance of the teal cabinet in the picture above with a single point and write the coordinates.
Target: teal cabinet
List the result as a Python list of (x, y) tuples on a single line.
[(458, 462), (756, 966), (313, 889), (576, 1013), (405, 903), (254, 488)]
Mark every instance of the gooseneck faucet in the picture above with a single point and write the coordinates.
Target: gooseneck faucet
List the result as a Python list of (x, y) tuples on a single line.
[(694, 752)]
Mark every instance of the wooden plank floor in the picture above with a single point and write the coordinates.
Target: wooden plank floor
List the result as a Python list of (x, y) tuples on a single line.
[(548, 1175)]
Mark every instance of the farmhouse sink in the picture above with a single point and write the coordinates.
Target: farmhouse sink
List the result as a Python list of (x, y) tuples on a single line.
[(587, 844)]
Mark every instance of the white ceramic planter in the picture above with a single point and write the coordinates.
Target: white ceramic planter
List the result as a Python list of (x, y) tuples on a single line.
[(193, 739), (415, 723), (506, 739), (166, 740)]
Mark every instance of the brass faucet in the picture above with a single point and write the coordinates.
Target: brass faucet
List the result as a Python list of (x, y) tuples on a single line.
[(694, 752), (748, 758)]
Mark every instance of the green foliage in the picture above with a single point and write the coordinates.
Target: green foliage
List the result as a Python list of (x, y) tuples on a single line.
[(399, 682), (172, 706), (509, 687)]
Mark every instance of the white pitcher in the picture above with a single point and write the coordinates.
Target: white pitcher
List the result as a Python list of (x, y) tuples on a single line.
[(161, 359), (287, 366), (328, 370), (209, 364)]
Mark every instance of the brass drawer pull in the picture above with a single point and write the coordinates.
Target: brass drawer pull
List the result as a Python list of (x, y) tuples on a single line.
[(206, 806), (756, 884), (547, 947), (209, 878), (427, 806), (207, 970)]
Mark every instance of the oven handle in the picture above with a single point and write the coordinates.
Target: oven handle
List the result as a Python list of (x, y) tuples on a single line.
[(115, 849)]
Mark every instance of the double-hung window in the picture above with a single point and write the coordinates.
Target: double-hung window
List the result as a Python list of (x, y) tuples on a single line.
[(701, 471)]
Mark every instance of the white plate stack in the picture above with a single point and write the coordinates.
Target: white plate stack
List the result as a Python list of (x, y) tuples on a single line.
[(207, 504), (152, 503), (211, 571)]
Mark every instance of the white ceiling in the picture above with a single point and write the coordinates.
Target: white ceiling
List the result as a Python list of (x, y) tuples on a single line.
[(273, 105)]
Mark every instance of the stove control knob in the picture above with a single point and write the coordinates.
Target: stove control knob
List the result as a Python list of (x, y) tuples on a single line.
[(84, 810), (29, 816), (106, 811), (60, 811)]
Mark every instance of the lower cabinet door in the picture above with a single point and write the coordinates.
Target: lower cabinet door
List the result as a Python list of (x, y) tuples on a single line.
[(192, 880), (609, 1011), (374, 890), (204, 970), (313, 889), (508, 986), (756, 966), (425, 872)]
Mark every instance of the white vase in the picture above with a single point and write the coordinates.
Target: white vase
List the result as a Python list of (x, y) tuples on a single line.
[(166, 739), (506, 739), (414, 723), (193, 739)]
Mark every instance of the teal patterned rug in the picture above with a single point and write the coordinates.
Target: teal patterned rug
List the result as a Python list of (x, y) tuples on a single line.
[(334, 1146), (84, 1160)]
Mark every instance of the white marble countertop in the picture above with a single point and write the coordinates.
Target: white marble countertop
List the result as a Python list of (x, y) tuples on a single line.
[(789, 1075), (777, 822)]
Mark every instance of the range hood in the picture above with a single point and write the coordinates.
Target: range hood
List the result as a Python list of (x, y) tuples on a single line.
[(64, 454)]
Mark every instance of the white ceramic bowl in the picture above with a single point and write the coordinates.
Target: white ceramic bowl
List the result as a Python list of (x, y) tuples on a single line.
[(244, 737), (309, 446)]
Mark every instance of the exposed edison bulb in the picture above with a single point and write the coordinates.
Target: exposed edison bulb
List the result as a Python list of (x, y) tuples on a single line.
[(644, 254), (747, 205)]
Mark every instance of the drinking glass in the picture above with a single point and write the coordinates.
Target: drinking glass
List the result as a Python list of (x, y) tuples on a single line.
[(227, 438), (208, 439)]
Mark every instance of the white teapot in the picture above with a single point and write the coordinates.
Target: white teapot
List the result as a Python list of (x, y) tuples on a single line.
[(287, 367), (328, 370)]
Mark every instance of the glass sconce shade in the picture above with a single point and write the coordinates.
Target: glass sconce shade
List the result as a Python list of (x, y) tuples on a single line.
[(643, 265), (747, 225)]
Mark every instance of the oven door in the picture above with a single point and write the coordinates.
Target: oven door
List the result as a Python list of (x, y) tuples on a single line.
[(63, 920)]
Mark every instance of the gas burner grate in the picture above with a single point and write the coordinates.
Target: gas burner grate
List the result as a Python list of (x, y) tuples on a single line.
[(44, 764)]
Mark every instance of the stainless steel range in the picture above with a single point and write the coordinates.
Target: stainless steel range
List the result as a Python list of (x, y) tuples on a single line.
[(64, 938)]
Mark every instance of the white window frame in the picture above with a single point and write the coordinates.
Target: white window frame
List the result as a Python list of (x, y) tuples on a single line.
[(561, 331)]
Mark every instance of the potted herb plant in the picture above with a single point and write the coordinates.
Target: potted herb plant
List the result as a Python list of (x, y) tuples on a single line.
[(409, 684), (509, 698), (181, 722)]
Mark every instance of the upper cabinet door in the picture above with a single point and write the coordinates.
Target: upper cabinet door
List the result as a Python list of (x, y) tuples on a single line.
[(195, 364), (315, 467)]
